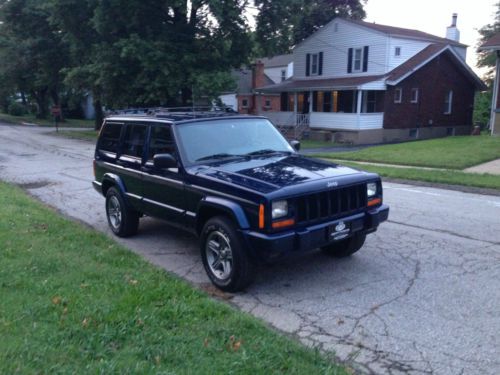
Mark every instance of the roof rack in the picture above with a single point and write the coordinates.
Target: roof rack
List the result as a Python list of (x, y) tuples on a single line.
[(177, 113)]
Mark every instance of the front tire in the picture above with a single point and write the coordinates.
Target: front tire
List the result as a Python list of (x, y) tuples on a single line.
[(122, 220), (224, 256), (345, 248)]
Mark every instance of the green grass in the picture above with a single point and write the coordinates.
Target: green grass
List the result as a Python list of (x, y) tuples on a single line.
[(84, 135), (449, 153), (69, 123), (74, 301), (450, 177), (306, 143)]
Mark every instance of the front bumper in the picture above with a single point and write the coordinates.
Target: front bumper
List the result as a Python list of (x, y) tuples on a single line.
[(270, 246)]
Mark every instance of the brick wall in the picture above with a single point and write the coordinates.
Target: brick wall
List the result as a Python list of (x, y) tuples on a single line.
[(434, 80)]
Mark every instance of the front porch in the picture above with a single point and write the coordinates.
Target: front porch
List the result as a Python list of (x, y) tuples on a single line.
[(343, 110)]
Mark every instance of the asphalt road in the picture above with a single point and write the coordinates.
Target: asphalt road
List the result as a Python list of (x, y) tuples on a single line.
[(422, 296)]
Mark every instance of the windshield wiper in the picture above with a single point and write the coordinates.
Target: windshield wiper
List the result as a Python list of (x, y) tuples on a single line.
[(267, 151), (220, 156)]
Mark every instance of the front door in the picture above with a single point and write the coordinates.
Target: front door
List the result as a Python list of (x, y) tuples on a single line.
[(163, 188)]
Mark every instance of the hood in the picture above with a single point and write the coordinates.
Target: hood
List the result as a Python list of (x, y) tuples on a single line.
[(272, 173)]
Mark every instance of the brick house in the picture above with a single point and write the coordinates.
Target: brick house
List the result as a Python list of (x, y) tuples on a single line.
[(246, 99), (493, 45), (362, 82)]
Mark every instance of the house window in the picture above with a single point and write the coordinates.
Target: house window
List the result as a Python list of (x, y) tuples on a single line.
[(314, 64), (398, 95), (397, 51), (335, 27), (267, 103), (283, 74), (369, 102), (414, 95), (358, 58), (244, 103), (448, 100)]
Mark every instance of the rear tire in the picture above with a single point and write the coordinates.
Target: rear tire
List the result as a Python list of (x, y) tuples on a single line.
[(224, 255), (122, 220), (345, 248)]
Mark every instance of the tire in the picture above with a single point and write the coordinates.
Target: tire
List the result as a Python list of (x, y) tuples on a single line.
[(345, 248), (122, 220), (224, 256)]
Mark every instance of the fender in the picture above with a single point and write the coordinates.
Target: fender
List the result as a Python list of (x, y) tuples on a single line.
[(114, 180), (230, 207)]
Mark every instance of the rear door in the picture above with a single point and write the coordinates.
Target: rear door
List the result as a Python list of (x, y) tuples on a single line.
[(163, 188), (130, 160)]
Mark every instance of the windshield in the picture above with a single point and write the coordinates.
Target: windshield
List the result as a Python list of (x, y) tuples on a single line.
[(229, 138)]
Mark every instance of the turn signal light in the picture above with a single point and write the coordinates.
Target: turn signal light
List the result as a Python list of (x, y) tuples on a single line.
[(261, 216), (283, 223), (374, 202)]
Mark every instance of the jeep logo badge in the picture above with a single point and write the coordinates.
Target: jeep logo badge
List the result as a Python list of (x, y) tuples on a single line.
[(332, 184), (340, 227)]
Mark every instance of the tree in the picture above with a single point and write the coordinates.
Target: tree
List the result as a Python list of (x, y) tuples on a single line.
[(487, 58), (32, 53), (283, 23), (150, 52)]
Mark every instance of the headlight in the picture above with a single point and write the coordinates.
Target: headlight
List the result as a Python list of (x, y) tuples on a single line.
[(371, 189), (279, 209)]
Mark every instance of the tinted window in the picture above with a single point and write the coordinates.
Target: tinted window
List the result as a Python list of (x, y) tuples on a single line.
[(161, 141), (133, 144), (110, 137)]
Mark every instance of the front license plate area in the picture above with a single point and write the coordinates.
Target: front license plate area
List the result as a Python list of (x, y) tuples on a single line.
[(339, 231)]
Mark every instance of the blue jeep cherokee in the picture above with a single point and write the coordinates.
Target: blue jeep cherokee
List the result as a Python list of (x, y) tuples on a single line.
[(236, 183)]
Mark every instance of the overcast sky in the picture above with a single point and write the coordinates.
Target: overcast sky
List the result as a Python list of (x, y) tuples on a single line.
[(433, 16)]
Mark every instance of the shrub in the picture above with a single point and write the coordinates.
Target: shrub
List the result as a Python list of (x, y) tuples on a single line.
[(17, 109)]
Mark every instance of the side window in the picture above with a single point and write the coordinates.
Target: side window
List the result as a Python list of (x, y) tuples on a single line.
[(133, 143), (110, 137), (161, 141)]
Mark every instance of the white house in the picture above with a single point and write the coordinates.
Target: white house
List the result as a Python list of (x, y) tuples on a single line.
[(367, 83)]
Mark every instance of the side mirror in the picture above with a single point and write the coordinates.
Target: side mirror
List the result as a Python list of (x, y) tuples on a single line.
[(295, 144), (164, 161)]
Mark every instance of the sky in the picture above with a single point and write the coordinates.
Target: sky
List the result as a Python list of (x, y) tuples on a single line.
[(433, 16)]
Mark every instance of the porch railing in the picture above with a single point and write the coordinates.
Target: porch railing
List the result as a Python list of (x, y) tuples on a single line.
[(294, 126)]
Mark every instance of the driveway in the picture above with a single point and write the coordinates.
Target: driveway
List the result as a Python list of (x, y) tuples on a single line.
[(422, 296)]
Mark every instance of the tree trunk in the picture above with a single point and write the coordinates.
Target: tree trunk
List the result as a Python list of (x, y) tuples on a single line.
[(41, 101), (99, 114)]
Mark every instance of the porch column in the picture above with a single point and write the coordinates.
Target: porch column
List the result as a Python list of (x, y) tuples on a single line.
[(295, 107), (310, 102), (358, 109)]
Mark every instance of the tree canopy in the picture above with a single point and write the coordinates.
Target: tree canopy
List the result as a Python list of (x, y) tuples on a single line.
[(283, 23), (487, 59)]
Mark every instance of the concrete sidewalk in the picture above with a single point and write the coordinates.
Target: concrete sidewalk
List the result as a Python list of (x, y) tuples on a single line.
[(491, 167)]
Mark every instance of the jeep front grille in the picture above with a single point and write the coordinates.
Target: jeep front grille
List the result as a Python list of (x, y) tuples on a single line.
[(330, 204)]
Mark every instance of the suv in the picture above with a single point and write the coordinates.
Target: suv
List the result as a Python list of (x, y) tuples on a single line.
[(235, 182)]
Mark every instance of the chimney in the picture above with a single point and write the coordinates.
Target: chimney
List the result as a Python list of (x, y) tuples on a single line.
[(452, 32), (258, 79)]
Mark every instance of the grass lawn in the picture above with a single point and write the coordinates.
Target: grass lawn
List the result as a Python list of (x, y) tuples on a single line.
[(306, 143), (85, 135), (449, 177), (69, 123), (74, 301), (450, 152)]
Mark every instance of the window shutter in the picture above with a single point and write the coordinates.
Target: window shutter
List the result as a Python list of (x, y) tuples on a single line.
[(349, 61), (308, 64), (320, 64), (365, 59)]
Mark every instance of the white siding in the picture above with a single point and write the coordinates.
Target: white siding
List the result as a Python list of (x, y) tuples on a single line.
[(335, 47), (346, 121), (275, 73), (409, 48), (460, 51), (229, 100)]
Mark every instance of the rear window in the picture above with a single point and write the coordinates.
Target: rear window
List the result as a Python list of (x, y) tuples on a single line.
[(110, 137), (133, 143)]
